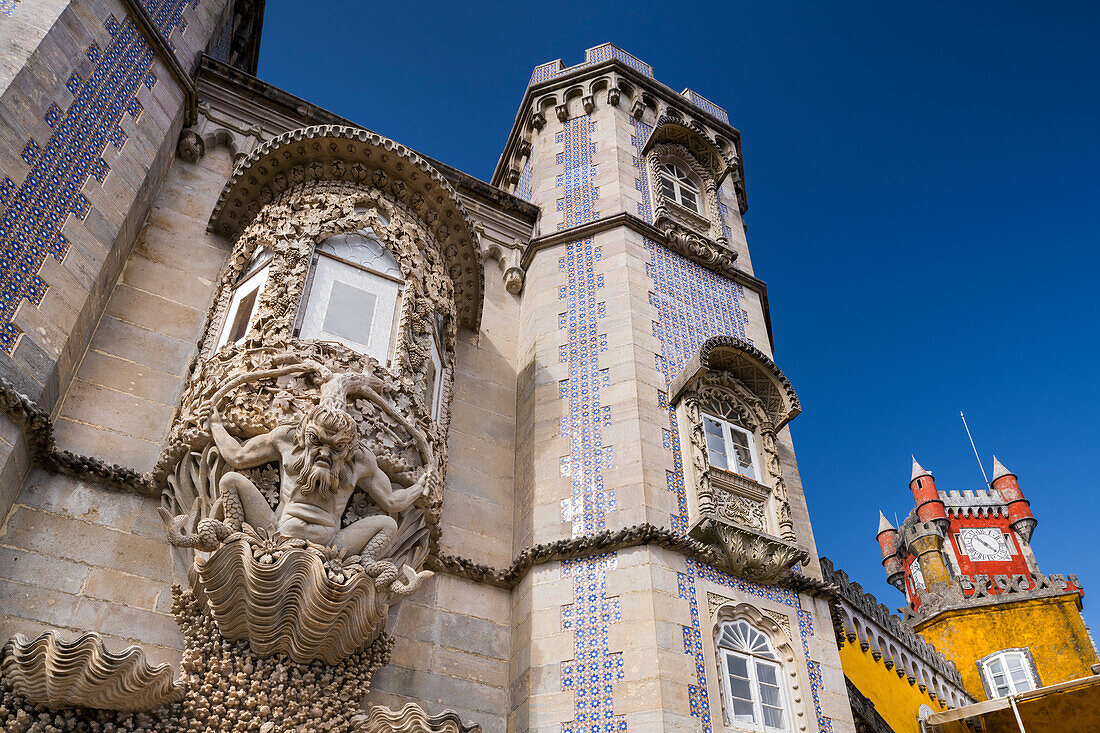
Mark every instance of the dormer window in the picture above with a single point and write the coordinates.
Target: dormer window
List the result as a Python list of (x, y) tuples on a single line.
[(246, 296), (678, 186), (730, 447), (354, 294)]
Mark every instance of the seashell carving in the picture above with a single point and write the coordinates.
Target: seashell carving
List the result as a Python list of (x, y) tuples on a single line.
[(83, 673), (410, 719), (281, 595)]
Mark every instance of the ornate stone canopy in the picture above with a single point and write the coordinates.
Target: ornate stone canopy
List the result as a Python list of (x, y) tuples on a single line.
[(671, 129), (342, 153), (752, 367)]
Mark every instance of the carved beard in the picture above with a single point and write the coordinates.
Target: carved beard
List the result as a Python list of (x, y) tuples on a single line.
[(316, 479)]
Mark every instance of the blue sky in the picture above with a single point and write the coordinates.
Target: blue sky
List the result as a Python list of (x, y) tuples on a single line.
[(922, 204)]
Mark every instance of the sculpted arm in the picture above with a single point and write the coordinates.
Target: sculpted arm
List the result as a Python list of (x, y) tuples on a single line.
[(252, 452), (380, 488)]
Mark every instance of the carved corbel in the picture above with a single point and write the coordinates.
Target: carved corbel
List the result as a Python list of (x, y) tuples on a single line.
[(562, 111), (513, 176), (508, 258), (613, 96), (637, 109), (191, 147), (538, 120), (524, 148), (589, 103)]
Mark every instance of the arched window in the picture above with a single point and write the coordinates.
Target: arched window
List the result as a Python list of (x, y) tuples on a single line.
[(246, 296), (1008, 672), (678, 186), (353, 294), (751, 678), (730, 447)]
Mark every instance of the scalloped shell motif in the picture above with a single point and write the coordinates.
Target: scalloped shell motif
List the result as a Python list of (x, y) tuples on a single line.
[(83, 673), (291, 605)]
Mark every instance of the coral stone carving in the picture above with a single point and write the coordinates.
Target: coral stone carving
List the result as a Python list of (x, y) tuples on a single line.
[(56, 673)]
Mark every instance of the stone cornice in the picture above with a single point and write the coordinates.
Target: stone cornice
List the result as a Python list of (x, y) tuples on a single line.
[(636, 79), (37, 430), (608, 540), (639, 225)]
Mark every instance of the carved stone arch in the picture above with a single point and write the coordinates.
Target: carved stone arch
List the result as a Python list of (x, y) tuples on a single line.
[(674, 129), (781, 644), (338, 155)]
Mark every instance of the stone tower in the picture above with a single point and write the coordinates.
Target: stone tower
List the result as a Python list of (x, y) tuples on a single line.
[(974, 590), (301, 429), (649, 409)]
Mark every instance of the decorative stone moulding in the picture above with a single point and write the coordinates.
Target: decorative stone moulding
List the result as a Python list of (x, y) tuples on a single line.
[(411, 719), (342, 154), (748, 519), (55, 673)]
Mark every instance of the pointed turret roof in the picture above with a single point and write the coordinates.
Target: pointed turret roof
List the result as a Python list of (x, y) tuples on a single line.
[(1000, 470), (884, 524), (918, 471)]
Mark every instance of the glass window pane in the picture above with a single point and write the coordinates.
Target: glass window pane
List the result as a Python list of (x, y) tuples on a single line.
[(737, 666), (773, 718), (712, 426), (687, 198), (351, 305), (242, 315), (718, 460), (766, 674), (350, 313)]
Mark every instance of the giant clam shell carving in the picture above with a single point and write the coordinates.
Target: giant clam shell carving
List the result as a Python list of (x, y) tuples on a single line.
[(281, 596), (83, 673)]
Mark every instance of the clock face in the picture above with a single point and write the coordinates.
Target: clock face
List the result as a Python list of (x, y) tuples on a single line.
[(984, 544)]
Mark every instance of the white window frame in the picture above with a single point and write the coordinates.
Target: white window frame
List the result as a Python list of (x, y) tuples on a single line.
[(751, 663), (386, 289), (440, 374), (252, 282), (730, 447), (676, 181), (1011, 686)]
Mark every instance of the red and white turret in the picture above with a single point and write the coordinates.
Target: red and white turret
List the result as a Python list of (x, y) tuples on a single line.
[(1019, 509), (930, 506), (887, 542)]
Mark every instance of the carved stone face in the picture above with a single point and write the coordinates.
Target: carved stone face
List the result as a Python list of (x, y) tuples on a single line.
[(326, 438)]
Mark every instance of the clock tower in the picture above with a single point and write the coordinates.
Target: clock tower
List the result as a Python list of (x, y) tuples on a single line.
[(973, 587)]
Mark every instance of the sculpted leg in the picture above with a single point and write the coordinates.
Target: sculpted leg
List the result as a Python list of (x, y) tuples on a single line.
[(370, 536), (243, 502)]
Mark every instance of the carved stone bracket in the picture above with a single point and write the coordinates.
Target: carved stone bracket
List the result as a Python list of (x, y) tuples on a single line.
[(688, 242), (750, 554)]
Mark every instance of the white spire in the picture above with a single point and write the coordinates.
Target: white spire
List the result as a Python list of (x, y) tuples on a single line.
[(884, 523), (1000, 470), (917, 470)]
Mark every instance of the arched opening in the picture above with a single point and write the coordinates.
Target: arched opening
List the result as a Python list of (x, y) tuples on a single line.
[(752, 677)]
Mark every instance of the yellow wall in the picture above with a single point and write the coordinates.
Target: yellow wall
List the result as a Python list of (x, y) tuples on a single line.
[(895, 699), (1051, 627)]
